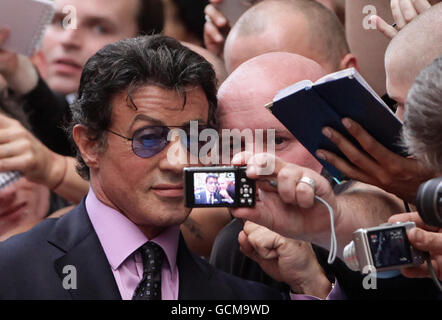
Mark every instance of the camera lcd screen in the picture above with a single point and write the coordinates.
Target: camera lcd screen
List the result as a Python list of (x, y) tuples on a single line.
[(214, 188), (389, 247)]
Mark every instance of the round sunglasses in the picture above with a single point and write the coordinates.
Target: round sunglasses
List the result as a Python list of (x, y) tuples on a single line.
[(151, 140)]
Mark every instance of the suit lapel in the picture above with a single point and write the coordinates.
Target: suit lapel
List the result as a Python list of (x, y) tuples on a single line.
[(80, 248)]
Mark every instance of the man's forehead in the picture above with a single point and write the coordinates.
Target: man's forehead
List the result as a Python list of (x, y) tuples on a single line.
[(156, 105), (96, 9)]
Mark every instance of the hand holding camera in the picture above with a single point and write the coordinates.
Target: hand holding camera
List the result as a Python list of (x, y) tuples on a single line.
[(285, 203), (385, 247), (425, 238), (406, 241)]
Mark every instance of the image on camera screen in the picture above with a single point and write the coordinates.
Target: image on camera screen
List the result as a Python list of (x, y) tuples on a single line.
[(389, 247), (214, 188)]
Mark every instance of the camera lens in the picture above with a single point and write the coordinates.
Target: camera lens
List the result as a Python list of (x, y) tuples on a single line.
[(429, 202), (350, 258)]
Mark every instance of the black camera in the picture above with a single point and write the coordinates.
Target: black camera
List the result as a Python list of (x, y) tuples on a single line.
[(429, 202), (218, 187)]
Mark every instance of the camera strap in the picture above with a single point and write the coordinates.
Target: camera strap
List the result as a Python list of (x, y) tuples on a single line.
[(333, 241)]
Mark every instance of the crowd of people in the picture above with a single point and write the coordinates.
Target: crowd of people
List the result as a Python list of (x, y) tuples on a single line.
[(85, 125)]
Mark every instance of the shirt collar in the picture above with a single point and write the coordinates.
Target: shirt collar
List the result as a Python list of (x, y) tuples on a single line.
[(120, 237)]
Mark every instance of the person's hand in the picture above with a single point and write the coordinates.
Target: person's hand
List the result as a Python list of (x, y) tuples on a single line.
[(425, 238), (377, 166), (21, 151), (403, 12), (216, 29), (285, 260), (18, 71), (291, 209), (8, 60)]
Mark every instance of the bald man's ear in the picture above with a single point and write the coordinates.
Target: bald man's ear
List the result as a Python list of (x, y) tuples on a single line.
[(349, 61)]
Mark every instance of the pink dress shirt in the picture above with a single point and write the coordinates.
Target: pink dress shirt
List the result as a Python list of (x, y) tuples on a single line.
[(120, 239)]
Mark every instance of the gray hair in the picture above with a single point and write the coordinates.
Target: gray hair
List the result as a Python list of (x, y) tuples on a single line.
[(422, 130)]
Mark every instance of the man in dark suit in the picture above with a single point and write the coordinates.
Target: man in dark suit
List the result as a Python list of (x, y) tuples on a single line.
[(123, 240), (210, 194)]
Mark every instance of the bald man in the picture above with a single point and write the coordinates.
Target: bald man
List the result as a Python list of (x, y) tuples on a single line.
[(410, 51), (303, 27), (241, 105), (241, 101)]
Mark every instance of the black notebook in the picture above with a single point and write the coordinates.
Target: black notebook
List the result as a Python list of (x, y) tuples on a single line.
[(304, 108)]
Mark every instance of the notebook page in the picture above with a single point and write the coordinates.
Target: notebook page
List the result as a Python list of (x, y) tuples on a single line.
[(26, 20), (292, 89)]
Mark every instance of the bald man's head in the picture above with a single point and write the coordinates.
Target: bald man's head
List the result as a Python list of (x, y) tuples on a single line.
[(217, 63), (411, 50), (270, 73), (243, 95), (304, 27)]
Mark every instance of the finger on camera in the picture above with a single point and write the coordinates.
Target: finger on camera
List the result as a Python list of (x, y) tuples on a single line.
[(305, 195), (241, 158), (287, 179), (425, 240), (414, 217)]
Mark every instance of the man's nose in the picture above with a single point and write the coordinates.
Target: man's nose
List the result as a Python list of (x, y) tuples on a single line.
[(176, 157), (71, 39)]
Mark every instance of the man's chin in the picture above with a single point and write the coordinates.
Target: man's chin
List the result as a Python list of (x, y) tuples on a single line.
[(63, 84)]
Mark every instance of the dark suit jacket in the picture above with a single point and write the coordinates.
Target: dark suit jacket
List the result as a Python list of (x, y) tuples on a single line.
[(200, 198), (32, 263)]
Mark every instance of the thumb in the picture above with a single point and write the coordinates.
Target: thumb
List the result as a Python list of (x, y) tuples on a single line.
[(426, 240)]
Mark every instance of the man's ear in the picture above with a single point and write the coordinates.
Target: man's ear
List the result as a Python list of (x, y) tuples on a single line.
[(87, 146), (348, 61)]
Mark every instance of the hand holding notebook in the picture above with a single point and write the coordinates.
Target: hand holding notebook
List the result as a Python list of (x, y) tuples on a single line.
[(26, 20), (305, 108)]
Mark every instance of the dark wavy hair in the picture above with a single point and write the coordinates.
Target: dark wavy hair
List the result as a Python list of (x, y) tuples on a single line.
[(127, 65)]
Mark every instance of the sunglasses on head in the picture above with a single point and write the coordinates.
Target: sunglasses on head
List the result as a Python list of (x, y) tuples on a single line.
[(150, 140)]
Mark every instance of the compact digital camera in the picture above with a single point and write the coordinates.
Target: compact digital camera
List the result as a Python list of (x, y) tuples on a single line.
[(218, 187), (385, 247)]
